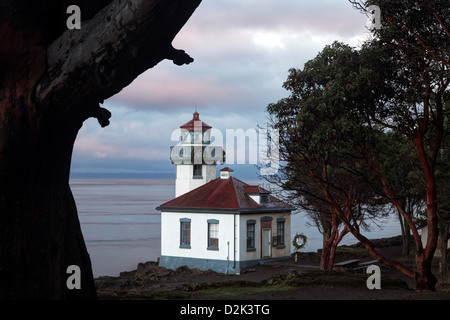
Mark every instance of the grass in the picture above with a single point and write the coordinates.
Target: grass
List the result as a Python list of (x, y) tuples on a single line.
[(238, 289), (283, 283), (278, 286), (238, 292)]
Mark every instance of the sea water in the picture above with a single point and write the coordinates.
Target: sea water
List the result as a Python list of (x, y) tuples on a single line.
[(122, 227), (119, 220)]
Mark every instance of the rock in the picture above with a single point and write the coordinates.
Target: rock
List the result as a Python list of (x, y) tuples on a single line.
[(150, 271), (283, 277), (182, 269), (114, 282), (248, 270)]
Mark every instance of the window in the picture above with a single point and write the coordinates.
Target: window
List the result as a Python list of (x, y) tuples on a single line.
[(251, 235), (185, 233), (198, 137), (197, 171), (213, 234), (264, 198), (280, 232)]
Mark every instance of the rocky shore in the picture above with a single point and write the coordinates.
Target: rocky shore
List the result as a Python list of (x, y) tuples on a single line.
[(281, 279)]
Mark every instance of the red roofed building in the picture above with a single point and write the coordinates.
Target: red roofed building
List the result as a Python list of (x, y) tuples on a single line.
[(195, 123), (224, 224)]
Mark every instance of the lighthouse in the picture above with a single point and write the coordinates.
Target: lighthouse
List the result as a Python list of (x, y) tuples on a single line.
[(194, 156), (218, 223)]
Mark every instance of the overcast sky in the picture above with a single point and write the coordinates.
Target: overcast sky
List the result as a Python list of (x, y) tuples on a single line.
[(242, 52)]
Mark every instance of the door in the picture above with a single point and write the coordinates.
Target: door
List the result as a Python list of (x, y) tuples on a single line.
[(265, 243)]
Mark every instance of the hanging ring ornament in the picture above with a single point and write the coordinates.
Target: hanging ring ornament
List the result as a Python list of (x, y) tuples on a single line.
[(296, 242)]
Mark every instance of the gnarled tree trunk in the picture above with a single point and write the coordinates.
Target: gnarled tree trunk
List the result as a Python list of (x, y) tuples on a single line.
[(51, 80)]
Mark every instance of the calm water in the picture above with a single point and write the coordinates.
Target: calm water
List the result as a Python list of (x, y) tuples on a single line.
[(122, 228), (119, 222)]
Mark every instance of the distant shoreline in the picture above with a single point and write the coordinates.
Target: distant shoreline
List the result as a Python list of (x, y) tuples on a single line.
[(162, 176)]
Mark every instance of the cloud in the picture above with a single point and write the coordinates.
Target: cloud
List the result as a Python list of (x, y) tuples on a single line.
[(241, 48), (164, 87), (147, 135), (131, 135), (242, 51), (317, 16)]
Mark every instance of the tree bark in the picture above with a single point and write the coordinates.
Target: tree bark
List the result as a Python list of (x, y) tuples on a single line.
[(330, 246), (366, 242), (444, 236), (424, 278), (406, 233), (326, 252), (49, 84), (326, 236)]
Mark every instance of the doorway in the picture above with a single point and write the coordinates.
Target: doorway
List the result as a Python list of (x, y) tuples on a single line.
[(266, 243)]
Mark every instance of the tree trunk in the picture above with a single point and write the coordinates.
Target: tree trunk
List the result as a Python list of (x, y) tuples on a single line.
[(50, 82), (326, 252), (406, 235), (330, 246), (444, 235), (331, 257), (40, 232), (424, 278), (326, 235)]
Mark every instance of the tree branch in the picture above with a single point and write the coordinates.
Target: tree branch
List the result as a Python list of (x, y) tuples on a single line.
[(109, 51)]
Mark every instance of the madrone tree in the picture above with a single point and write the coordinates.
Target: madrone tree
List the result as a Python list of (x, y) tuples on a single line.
[(409, 87), (334, 139), (51, 80), (319, 144)]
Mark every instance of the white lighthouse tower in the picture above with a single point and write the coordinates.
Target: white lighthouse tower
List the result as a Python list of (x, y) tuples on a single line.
[(222, 224), (194, 157)]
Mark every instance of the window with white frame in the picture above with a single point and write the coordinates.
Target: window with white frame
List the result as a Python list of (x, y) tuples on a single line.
[(185, 233), (280, 232), (213, 234), (251, 235)]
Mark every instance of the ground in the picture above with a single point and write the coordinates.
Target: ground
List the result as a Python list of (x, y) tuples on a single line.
[(274, 280)]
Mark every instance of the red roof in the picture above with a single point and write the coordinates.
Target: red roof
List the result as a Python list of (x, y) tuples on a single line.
[(190, 126), (223, 194), (254, 190)]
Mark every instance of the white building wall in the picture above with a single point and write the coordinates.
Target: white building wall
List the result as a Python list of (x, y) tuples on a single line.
[(184, 178), (244, 254), (256, 198), (232, 253), (276, 251), (170, 235), (424, 237)]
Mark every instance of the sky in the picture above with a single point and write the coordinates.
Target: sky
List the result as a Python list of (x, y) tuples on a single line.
[(242, 52)]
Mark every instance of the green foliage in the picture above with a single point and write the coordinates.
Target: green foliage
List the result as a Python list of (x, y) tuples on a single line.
[(443, 179), (359, 124), (325, 139)]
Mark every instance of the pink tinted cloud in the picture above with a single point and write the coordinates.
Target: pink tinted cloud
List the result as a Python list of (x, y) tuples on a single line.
[(162, 89), (315, 16), (242, 50)]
